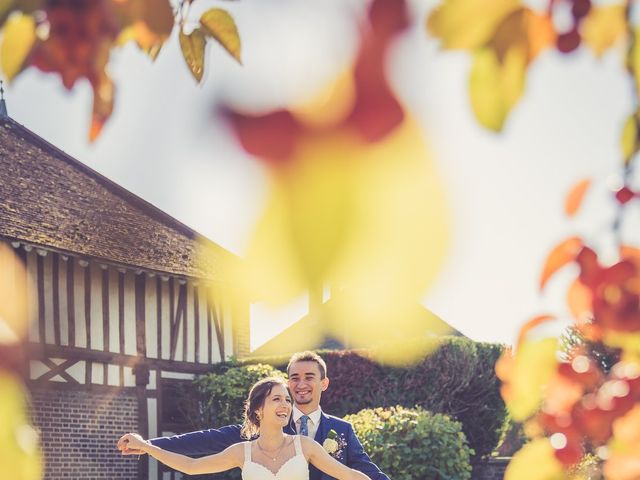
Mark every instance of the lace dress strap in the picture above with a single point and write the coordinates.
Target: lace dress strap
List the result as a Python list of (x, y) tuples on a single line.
[(247, 452)]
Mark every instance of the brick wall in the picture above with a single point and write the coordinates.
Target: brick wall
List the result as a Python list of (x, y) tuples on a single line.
[(79, 430), (491, 469)]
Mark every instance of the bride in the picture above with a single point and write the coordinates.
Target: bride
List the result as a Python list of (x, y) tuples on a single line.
[(272, 455)]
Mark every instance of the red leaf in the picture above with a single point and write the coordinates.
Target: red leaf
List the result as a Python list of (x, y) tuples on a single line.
[(631, 254), (575, 197), (272, 137), (376, 111), (562, 254)]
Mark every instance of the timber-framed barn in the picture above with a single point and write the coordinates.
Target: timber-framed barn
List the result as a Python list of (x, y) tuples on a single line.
[(126, 303)]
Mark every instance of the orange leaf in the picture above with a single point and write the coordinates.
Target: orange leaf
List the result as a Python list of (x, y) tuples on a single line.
[(579, 299), (564, 253), (531, 324), (575, 197), (540, 31), (631, 253), (103, 90)]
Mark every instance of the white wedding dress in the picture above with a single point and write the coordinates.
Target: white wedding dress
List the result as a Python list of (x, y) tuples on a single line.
[(296, 468)]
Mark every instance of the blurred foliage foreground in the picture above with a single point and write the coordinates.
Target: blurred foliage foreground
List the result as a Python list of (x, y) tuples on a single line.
[(354, 200)]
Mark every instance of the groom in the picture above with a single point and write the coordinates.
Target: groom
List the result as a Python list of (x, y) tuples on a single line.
[(307, 373)]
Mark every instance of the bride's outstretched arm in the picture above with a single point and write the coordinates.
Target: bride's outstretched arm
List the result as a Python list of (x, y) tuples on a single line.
[(325, 462), (226, 460)]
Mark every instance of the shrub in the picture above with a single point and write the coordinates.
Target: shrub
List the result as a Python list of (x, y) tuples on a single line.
[(408, 444), (457, 378)]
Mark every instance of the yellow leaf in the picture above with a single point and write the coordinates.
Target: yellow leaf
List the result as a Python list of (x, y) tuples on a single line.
[(14, 302), (603, 27), (629, 140), (5, 9), (495, 87), (468, 24), (357, 216), (535, 461), (535, 363), (192, 47), (18, 37), (220, 25), (147, 22), (20, 455)]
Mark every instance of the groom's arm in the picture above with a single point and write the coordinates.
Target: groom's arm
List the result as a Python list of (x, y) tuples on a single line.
[(357, 458), (204, 442)]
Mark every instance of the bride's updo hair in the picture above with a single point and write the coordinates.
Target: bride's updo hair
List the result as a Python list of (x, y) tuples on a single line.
[(257, 395)]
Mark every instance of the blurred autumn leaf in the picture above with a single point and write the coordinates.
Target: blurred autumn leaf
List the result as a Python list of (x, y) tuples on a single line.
[(219, 25), (355, 199), (576, 196), (535, 461), (468, 24), (76, 40), (502, 41), (18, 37), (193, 46), (14, 303), (604, 27), (562, 254), (20, 455)]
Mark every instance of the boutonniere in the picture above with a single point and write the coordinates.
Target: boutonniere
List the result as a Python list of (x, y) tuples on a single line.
[(333, 444)]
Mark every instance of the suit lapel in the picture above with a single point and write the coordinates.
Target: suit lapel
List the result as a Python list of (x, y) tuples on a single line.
[(323, 429)]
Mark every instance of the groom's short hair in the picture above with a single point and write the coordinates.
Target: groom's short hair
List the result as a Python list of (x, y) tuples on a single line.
[(309, 356)]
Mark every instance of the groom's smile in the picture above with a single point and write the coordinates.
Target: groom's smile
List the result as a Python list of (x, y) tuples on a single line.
[(306, 384)]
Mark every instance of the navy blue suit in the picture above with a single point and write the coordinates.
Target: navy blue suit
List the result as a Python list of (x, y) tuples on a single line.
[(207, 442)]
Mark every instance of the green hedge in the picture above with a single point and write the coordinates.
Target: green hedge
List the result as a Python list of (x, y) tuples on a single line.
[(456, 379), (410, 444)]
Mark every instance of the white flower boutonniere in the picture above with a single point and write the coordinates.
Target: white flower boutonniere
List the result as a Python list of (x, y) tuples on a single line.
[(333, 444)]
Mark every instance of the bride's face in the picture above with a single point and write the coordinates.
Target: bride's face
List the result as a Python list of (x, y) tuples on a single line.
[(277, 407)]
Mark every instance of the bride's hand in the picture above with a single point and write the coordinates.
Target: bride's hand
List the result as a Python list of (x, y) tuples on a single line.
[(132, 444)]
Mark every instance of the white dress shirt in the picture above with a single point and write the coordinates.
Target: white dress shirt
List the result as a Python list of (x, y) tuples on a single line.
[(312, 424)]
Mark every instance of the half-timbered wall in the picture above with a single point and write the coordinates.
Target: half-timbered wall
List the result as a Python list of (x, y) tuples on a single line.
[(98, 307), (112, 330)]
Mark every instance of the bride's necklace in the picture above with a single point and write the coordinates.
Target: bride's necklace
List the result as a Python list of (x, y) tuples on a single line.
[(269, 454)]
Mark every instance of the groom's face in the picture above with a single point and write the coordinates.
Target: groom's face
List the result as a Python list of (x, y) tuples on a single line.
[(306, 385)]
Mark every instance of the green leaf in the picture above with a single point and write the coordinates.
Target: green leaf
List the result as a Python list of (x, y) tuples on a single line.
[(219, 24), (193, 46)]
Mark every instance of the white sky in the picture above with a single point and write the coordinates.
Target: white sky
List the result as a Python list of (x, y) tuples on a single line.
[(505, 191)]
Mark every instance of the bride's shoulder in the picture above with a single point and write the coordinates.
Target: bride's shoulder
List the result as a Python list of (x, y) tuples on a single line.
[(237, 449), (307, 444)]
